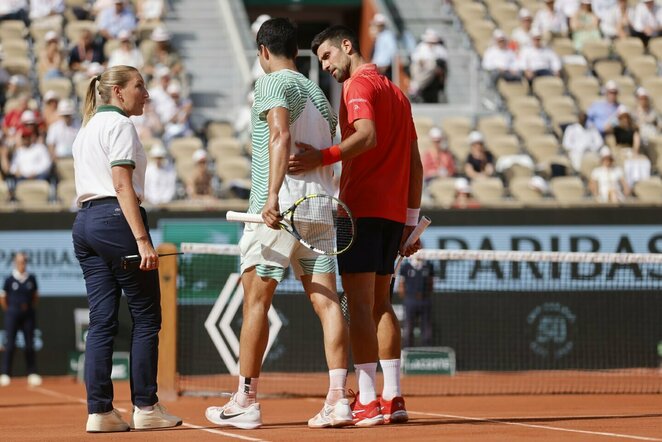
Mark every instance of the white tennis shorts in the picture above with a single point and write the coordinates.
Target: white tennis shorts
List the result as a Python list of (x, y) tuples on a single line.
[(272, 251)]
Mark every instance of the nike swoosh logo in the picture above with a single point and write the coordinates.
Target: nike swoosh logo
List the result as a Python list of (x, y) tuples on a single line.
[(230, 416)]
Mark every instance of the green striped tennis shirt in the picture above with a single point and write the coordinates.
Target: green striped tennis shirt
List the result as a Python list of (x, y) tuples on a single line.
[(312, 121)]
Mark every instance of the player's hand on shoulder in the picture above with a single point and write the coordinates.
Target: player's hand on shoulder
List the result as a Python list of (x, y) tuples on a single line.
[(306, 158)]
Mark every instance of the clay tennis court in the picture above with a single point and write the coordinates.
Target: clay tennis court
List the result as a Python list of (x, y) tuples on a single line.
[(56, 411)]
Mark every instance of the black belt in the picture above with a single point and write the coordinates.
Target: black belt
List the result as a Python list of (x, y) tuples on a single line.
[(100, 202)]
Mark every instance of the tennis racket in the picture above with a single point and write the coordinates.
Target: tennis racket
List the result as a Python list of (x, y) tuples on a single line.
[(322, 223), (413, 236)]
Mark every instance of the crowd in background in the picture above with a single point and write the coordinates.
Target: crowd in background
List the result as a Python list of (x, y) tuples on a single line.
[(65, 46)]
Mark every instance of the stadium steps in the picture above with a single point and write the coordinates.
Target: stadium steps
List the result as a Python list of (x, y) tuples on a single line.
[(203, 40)]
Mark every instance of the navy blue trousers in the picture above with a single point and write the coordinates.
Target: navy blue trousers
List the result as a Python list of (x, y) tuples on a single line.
[(17, 319), (101, 235)]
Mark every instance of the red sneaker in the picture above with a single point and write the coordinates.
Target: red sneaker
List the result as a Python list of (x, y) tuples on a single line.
[(366, 415), (394, 410)]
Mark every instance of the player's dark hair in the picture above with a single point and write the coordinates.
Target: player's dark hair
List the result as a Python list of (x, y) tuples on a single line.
[(279, 35), (335, 35)]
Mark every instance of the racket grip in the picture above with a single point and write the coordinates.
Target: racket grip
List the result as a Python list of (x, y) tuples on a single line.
[(418, 231), (244, 217)]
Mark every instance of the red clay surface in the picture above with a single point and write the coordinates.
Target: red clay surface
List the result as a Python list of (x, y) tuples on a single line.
[(56, 411)]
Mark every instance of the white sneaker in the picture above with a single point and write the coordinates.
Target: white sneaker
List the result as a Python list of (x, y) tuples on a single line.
[(338, 415), (158, 417), (106, 422), (4, 380), (233, 415), (34, 380)]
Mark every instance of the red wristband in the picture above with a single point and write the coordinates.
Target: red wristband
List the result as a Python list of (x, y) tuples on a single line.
[(331, 155)]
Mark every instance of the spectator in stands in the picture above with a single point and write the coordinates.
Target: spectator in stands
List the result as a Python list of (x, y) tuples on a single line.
[(49, 64), (49, 107), (5, 78), (550, 22), (601, 8), (584, 25), (164, 54), (86, 51), (178, 112), (636, 167), (520, 37), (61, 134), (126, 53), (31, 159), (115, 19), (257, 70), (617, 20), (199, 185), (47, 14), (150, 11), (14, 10), (158, 94), (624, 130), (428, 68), (160, 177), (647, 21), (501, 61), (100, 5), (581, 138), (567, 7), (607, 183), (12, 121), (385, 47), (646, 117), (480, 161), (18, 85), (463, 198), (539, 60), (437, 160), (601, 111), (242, 122), (32, 119)]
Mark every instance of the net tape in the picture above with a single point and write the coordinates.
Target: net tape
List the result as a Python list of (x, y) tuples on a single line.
[(479, 255)]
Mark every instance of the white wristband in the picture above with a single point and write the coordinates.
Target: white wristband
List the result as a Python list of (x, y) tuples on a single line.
[(412, 217)]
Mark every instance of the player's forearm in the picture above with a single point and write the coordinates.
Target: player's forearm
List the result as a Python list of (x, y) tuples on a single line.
[(279, 154), (128, 200), (364, 139), (415, 178)]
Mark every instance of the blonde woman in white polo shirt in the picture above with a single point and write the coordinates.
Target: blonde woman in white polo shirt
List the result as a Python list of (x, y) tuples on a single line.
[(109, 164)]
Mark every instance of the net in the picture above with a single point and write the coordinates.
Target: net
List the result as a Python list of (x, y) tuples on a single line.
[(501, 323)]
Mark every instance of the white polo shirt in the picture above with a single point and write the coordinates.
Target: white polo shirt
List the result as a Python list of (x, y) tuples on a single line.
[(109, 139)]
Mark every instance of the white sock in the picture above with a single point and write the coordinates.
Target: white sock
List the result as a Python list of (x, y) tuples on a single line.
[(337, 381), (246, 391), (391, 369), (366, 376)]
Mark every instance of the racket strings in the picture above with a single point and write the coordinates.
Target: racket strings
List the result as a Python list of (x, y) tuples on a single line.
[(324, 223)]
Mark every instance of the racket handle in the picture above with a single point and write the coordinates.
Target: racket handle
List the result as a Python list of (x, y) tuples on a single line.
[(244, 217), (418, 231)]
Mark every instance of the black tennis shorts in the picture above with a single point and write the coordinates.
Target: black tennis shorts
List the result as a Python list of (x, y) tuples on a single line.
[(375, 247)]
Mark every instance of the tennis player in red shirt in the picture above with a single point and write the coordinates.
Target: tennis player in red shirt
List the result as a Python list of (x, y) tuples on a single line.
[(381, 182)]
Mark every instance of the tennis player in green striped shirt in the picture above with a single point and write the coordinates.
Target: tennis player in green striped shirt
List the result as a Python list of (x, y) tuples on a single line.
[(288, 109)]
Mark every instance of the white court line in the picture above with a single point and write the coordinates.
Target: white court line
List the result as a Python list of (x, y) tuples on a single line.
[(544, 427), (56, 394), (223, 433)]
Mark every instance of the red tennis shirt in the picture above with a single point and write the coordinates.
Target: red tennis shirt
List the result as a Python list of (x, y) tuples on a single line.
[(376, 183)]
